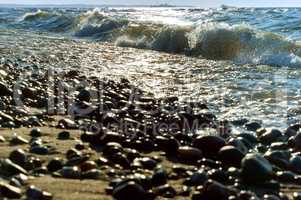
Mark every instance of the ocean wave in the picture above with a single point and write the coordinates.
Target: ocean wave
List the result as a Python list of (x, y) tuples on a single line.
[(89, 24), (240, 43), (95, 24), (161, 38), (48, 21), (218, 41)]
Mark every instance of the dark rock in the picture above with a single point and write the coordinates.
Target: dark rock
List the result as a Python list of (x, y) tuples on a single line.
[(5, 90), (36, 132), (215, 190), (129, 190), (278, 158), (34, 193), (10, 191), (295, 164), (256, 169), (70, 172), (286, 177), (40, 150), (146, 163), (94, 174), (67, 124), (230, 156), (253, 126), (209, 145), (297, 142), (55, 165), (165, 191), (18, 140), (64, 135), (84, 95), (189, 154), (18, 156), (292, 130), (88, 165), (168, 145), (271, 136), (8, 168), (197, 178), (249, 137), (159, 177), (71, 153)]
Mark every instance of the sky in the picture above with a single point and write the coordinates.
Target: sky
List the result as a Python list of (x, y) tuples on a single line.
[(199, 3)]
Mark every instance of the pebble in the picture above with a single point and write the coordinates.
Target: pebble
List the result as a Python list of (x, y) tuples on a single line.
[(10, 191), (189, 154), (67, 124), (55, 164), (18, 157), (197, 178), (271, 136), (253, 126), (230, 156), (64, 135), (8, 168), (5, 90), (40, 150), (34, 193), (209, 145), (295, 164), (256, 169), (159, 177), (70, 172), (36, 132), (129, 190), (18, 140)]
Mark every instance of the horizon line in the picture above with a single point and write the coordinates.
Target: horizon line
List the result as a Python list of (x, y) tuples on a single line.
[(133, 5)]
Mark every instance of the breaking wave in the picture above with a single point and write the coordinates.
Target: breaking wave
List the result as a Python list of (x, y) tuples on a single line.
[(219, 41)]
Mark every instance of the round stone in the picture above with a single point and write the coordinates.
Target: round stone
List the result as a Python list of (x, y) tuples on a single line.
[(256, 169), (129, 190), (209, 145), (55, 165), (189, 154), (36, 132), (64, 135), (230, 156)]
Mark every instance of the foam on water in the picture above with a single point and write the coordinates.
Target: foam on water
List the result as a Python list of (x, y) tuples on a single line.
[(217, 34)]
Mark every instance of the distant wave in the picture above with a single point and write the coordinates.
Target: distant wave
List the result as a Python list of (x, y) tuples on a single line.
[(219, 41)]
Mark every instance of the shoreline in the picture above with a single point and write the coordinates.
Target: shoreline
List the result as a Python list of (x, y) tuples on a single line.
[(125, 161)]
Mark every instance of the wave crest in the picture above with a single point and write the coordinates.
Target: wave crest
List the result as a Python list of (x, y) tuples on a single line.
[(219, 41)]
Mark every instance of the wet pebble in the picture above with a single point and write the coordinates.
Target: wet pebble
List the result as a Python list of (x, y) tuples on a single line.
[(189, 154), (18, 140), (34, 193), (64, 135), (129, 190), (67, 124), (197, 178), (8, 168), (209, 145), (9, 191), (295, 164), (40, 150), (70, 172), (18, 156), (55, 164), (36, 132), (256, 169), (230, 156)]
